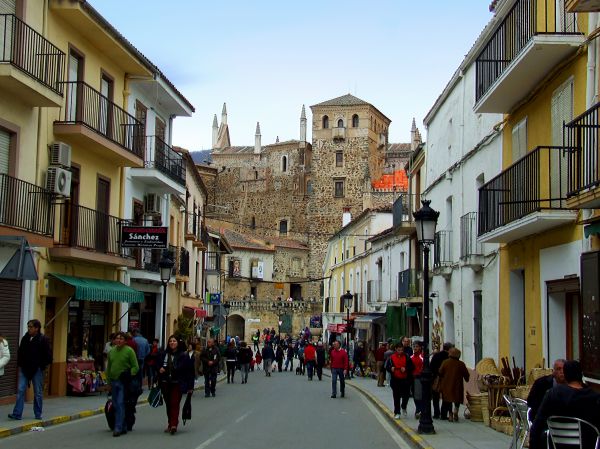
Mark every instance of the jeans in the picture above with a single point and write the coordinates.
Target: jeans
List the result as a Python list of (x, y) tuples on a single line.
[(335, 373), (245, 367), (38, 385), (210, 382), (230, 370), (267, 364), (118, 398), (289, 362), (310, 366)]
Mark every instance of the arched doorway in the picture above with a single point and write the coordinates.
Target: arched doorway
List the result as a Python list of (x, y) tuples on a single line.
[(236, 326)]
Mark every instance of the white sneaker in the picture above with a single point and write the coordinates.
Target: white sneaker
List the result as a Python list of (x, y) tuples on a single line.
[(404, 413), (397, 416)]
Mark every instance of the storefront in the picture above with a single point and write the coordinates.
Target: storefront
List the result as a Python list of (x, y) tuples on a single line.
[(142, 316), (370, 329)]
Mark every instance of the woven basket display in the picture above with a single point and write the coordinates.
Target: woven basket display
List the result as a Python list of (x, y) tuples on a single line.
[(487, 366), (477, 403), (501, 423), (521, 392), (536, 373)]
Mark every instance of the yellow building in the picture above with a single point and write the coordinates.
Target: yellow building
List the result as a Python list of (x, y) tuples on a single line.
[(534, 71)]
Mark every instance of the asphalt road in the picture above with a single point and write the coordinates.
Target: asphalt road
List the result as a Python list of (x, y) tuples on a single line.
[(284, 411)]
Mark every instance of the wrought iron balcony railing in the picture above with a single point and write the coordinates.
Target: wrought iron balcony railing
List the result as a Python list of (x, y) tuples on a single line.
[(28, 50), (403, 208), (85, 105), (469, 246), (166, 160), (213, 261), (536, 181), (442, 253), (26, 206), (526, 19), (408, 284)]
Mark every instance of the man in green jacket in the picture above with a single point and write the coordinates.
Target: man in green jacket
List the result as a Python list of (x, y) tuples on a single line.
[(122, 366)]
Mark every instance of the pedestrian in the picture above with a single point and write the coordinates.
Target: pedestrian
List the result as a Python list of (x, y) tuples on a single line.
[(406, 346), (257, 360), (570, 399), (268, 355), (279, 354), (339, 368), (320, 360), (359, 358), (244, 359), (391, 349), (129, 341), (289, 359), (33, 356), (176, 375), (143, 349), (379, 359), (436, 361), (543, 384), (452, 373), (210, 367), (417, 361), (4, 354), (122, 366), (151, 363), (310, 359), (107, 347), (301, 357), (256, 340), (231, 360), (400, 366)]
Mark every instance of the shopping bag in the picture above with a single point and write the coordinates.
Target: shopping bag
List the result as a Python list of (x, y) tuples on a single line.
[(186, 413), (109, 412), (155, 398)]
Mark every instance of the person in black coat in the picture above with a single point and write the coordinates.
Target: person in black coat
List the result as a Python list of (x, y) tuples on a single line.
[(231, 354), (176, 376), (210, 357), (572, 399), (542, 385), (279, 354), (320, 360), (268, 356), (434, 365)]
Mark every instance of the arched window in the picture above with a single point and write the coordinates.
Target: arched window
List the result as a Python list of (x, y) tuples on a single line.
[(284, 164), (355, 121), (340, 123), (325, 122)]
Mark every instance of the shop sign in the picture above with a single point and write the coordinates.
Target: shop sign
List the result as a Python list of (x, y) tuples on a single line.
[(144, 237), (215, 298)]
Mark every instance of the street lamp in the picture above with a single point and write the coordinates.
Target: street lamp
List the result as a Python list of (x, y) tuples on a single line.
[(347, 298), (226, 307), (426, 220), (166, 269)]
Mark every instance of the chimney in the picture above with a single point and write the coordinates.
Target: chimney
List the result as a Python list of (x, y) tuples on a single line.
[(346, 216)]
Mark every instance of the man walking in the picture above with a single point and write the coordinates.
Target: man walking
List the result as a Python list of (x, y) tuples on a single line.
[(379, 359), (122, 367), (320, 360), (268, 355), (143, 349), (33, 356), (339, 368), (210, 366), (310, 359)]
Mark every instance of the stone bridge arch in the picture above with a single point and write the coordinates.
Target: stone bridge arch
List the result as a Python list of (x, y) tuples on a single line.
[(236, 325)]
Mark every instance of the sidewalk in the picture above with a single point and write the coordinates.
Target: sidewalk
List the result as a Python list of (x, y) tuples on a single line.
[(63, 409), (464, 434)]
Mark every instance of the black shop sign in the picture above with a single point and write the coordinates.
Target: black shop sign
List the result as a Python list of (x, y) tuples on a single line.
[(144, 237)]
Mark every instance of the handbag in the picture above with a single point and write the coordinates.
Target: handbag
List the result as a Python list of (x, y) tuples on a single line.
[(155, 397), (186, 413)]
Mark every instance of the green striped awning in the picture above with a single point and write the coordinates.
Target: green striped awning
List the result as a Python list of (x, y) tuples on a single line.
[(91, 289)]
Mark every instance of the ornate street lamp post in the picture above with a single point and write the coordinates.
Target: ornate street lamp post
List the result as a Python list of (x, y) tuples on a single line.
[(426, 220), (166, 270), (347, 298), (226, 307)]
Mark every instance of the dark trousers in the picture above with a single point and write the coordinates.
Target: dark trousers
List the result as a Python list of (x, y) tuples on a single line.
[(230, 370), (301, 363), (319, 369), (335, 373), (447, 408), (172, 395), (210, 382), (279, 365), (435, 399), (401, 392), (310, 367)]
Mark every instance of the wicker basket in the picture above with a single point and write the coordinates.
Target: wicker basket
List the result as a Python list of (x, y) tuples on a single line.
[(521, 392), (500, 422), (487, 366), (536, 373), (477, 403)]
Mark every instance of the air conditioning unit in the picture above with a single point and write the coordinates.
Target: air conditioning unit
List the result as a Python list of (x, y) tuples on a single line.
[(152, 203), (58, 180), (60, 154)]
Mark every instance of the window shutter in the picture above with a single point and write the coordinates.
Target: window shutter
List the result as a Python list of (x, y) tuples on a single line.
[(4, 151), (561, 112), (519, 140)]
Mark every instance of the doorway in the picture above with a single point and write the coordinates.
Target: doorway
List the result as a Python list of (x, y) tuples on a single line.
[(296, 292)]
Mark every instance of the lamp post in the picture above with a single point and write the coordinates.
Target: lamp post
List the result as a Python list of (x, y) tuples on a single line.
[(166, 269), (347, 298), (226, 307), (426, 220)]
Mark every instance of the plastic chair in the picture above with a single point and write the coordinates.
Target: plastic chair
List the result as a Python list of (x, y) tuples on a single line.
[(525, 424), (516, 421), (567, 431)]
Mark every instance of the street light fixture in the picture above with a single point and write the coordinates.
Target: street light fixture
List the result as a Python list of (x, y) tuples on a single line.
[(226, 307), (347, 298), (166, 265), (426, 220)]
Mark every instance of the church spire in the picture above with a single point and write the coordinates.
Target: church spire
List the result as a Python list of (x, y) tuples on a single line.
[(303, 125), (215, 131), (257, 144), (224, 114)]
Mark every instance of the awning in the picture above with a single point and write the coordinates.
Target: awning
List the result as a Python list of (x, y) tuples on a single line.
[(198, 312), (337, 328), (364, 322), (90, 289)]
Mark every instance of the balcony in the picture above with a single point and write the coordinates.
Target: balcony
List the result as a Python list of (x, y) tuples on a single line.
[(374, 291), (527, 198), (85, 234), (338, 133), (403, 220), (409, 289), (471, 251), (582, 5), (196, 232), (93, 122), (31, 67), (530, 41), (164, 170), (181, 257), (26, 210), (213, 261), (442, 254), (581, 138)]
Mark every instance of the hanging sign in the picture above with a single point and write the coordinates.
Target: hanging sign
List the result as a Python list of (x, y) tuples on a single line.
[(144, 237)]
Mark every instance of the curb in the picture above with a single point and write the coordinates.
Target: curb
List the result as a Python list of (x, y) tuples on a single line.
[(4, 432)]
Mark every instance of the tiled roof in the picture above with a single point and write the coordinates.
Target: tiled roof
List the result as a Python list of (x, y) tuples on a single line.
[(233, 150), (287, 243), (399, 148), (344, 100), (382, 234)]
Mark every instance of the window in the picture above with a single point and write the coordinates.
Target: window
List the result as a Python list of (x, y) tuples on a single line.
[(340, 123), (5, 147), (309, 187), (283, 228), (339, 189), (253, 223), (284, 164), (339, 159), (355, 121), (519, 140), (325, 122)]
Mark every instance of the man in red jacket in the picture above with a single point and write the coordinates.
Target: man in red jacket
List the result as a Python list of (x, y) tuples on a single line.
[(310, 357), (339, 368)]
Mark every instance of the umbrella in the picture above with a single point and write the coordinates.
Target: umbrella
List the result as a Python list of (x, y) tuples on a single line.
[(186, 413)]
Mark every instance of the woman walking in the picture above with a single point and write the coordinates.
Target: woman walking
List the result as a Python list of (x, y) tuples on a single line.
[(4, 354), (177, 377), (244, 359), (400, 367), (451, 374), (231, 354)]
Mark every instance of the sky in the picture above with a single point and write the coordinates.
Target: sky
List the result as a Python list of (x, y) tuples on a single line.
[(266, 59)]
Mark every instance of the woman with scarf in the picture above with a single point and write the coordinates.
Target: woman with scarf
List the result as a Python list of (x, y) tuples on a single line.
[(176, 375)]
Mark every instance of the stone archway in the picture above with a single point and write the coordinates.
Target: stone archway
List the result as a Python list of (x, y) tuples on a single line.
[(236, 325)]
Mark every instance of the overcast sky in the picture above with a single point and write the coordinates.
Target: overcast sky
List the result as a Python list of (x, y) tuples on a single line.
[(267, 58)]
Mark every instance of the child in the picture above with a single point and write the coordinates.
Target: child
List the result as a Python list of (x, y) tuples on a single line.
[(258, 360)]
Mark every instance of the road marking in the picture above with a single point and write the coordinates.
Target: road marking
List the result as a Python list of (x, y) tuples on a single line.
[(241, 418), (393, 433), (211, 440)]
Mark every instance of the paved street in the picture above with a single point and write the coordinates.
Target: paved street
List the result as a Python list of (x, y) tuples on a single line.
[(283, 411)]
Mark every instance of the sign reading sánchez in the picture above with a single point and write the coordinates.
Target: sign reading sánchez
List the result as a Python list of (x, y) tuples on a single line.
[(144, 237)]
